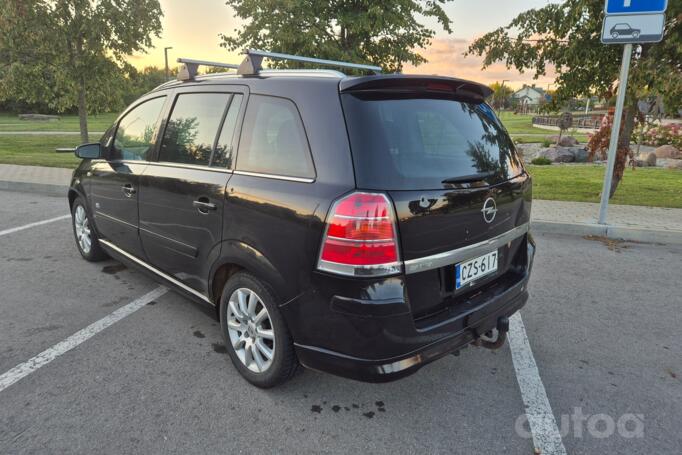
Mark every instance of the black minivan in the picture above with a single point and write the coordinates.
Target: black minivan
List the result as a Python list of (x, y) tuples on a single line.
[(358, 225)]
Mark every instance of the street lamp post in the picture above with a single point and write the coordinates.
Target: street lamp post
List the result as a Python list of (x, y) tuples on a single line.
[(165, 55)]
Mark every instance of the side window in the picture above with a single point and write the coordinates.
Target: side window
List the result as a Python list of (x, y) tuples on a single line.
[(192, 128), (273, 140), (136, 131), (223, 152)]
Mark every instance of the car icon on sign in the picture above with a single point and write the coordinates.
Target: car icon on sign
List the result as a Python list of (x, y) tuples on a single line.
[(624, 30)]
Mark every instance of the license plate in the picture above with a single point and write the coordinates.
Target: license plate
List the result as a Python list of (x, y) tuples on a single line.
[(468, 271)]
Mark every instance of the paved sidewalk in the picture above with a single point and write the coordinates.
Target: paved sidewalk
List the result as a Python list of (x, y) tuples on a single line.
[(629, 222), (38, 179), (620, 215)]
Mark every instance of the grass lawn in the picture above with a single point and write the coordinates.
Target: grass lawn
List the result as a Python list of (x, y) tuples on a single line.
[(643, 186), (521, 129), (520, 124), (38, 150), (69, 122)]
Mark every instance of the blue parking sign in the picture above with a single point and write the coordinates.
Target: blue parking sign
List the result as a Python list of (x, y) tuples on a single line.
[(635, 6)]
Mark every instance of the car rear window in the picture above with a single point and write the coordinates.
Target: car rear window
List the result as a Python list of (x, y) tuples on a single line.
[(412, 143)]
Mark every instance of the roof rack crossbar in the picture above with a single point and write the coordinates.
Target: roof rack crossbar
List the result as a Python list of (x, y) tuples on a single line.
[(254, 57), (190, 67)]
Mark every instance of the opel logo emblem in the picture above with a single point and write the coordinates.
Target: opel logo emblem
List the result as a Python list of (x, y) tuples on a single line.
[(489, 210)]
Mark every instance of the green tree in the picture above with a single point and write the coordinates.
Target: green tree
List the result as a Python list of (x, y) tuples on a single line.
[(383, 32), (501, 95), (144, 80), (72, 52), (566, 36)]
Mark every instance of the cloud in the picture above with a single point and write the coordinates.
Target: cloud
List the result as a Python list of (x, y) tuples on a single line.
[(445, 58)]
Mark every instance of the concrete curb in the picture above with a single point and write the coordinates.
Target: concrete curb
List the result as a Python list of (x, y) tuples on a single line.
[(609, 231), (39, 188)]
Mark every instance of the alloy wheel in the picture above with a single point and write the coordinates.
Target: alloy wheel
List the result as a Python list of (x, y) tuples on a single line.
[(83, 235), (250, 330)]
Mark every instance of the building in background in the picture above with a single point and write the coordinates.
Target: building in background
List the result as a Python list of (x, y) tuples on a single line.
[(530, 98)]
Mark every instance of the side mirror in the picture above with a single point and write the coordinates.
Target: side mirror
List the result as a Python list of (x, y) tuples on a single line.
[(89, 151)]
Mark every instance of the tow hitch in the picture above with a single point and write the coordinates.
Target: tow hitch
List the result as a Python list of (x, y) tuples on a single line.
[(502, 329)]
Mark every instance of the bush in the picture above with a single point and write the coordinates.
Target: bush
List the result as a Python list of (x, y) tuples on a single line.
[(541, 161), (660, 135), (546, 143)]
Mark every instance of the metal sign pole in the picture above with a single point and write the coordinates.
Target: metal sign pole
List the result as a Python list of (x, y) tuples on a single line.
[(615, 130)]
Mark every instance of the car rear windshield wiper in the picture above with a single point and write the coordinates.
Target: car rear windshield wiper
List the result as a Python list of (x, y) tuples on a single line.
[(469, 178)]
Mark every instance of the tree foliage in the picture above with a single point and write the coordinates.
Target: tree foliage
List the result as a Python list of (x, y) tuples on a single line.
[(142, 81), (566, 36), (72, 52), (387, 33), (501, 97)]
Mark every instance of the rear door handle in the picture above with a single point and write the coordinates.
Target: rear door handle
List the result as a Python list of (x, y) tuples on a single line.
[(204, 206), (128, 190)]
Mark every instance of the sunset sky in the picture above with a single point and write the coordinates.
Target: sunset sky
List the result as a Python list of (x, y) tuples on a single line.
[(192, 28)]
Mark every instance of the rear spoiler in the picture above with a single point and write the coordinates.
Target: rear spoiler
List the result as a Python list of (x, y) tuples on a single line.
[(402, 83)]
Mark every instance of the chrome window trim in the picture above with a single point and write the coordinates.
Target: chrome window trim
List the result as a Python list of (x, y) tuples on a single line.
[(197, 167), (104, 160), (167, 164), (460, 254), (275, 176), (156, 271)]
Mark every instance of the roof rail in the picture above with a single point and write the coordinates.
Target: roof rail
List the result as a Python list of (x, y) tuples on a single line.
[(252, 63), (190, 67)]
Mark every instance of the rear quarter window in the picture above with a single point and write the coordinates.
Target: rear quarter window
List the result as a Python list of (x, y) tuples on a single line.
[(273, 140)]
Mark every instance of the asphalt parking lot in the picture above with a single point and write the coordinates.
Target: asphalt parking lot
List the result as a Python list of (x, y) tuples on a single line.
[(603, 322)]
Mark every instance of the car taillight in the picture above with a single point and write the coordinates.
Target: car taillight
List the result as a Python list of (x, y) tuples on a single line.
[(361, 238)]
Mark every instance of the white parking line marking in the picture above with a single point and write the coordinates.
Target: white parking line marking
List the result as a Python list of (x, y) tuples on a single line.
[(543, 427), (24, 369), (30, 225)]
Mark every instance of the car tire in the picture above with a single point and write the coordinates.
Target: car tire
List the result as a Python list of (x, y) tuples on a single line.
[(614, 35), (84, 234), (635, 35), (249, 334)]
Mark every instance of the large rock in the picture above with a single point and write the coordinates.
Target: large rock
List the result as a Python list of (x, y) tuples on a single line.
[(668, 151), (566, 141), (557, 154), (674, 164), (529, 151), (651, 159), (43, 117), (579, 154)]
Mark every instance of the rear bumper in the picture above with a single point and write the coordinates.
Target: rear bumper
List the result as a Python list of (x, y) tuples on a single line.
[(476, 323), (376, 339)]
